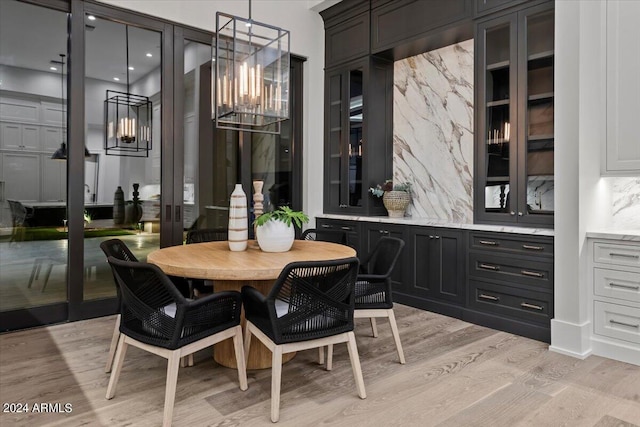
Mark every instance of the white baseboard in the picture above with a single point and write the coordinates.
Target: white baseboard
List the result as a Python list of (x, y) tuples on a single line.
[(571, 339), (628, 353)]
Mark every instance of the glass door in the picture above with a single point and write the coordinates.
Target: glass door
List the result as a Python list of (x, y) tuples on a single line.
[(123, 122), (33, 185)]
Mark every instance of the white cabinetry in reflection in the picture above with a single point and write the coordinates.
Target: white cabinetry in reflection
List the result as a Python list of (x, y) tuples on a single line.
[(621, 153), (17, 136), (54, 179), (21, 175), (614, 276)]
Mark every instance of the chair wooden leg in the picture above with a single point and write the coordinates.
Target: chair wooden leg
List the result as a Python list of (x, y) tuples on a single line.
[(35, 272), (321, 355), (117, 367), (191, 359), (355, 364), (374, 328), (240, 358), (46, 277), (276, 379), (173, 366), (396, 335), (329, 365), (114, 345), (247, 342)]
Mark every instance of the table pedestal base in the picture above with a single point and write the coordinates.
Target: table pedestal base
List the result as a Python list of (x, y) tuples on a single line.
[(259, 355)]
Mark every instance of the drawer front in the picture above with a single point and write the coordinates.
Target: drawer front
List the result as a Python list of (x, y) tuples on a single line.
[(347, 226), (617, 321), (623, 285), (536, 274), (616, 254), (500, 242), (508, 301)]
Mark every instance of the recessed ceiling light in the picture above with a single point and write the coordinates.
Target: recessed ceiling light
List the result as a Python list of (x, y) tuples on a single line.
[(116, 79), (131, 68), (91, 17), (149, 54), (53, 68)]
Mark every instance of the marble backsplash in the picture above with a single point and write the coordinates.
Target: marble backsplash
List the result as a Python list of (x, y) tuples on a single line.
[(626, 203), (433, 131)]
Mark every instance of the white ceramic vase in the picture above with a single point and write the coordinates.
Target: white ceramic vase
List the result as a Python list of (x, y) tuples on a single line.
[(275, 236), (238, 221)]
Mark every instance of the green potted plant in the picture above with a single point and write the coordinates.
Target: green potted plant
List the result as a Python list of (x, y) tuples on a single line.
[(395, 197), (274, 229)]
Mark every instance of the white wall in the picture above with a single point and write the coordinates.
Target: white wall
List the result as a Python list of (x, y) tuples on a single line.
[(307, 39)]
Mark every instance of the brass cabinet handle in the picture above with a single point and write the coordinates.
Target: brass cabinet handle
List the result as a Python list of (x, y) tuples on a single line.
[(533, 248), (620, 285), (488, 242), (346, 228), (384, 232), (631, 325), (533, 306), (325, 226), (624, 255), (488, 297), (489, 267), (531, 273)]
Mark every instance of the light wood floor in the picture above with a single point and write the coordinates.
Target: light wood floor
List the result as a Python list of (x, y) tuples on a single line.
[(457, 374)]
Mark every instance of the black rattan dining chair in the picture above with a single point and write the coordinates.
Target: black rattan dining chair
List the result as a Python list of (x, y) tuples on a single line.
[(199, 286), (118, 249), (155, 317), (373, 290), (310, 305)]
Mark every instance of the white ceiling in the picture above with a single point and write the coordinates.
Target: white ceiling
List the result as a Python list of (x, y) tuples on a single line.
[(31, 36)]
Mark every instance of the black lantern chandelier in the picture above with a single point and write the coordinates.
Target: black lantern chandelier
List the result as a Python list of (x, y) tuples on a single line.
[(251, 74), (127, 120), (61, 153)]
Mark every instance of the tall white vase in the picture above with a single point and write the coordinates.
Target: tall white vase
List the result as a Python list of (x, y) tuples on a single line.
[(238, 221)]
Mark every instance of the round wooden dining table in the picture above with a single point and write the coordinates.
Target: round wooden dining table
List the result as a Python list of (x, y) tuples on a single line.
[(232, 270)]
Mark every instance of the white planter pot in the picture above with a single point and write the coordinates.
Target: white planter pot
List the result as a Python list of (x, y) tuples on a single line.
[(275, 236)]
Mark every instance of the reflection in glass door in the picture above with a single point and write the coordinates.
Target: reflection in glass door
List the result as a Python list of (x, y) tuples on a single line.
[(33, 196), (122, 171)]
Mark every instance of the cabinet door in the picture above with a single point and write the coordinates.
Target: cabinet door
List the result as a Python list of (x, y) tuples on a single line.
[(21, 174), (30, 137), (11, 136), (497, 126), (54, 179), (438, 264), (373, 233), (352, 228), (344, 140), (623, 88), (51, 138), (347, 40), (535, 115)]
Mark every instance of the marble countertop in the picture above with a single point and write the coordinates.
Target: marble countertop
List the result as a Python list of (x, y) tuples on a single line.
[(441, 223), (627, 235)]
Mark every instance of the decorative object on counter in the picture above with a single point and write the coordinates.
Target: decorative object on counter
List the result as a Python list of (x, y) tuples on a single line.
[(133, 212), (258, 198), (274, 230), (118, 206), (238, 221), (396, 197)]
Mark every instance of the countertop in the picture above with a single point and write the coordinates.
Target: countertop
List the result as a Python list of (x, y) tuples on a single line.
[(444, 224), (626, 235)]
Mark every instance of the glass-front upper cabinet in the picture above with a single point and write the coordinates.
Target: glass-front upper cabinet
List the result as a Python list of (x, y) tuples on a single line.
[(357, 137), (514, 118)]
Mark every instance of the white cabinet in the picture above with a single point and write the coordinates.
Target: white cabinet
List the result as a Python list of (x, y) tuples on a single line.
[(52, 137), (622, 148), (21, 175), (16, 136), (614, 277), (54, 179)]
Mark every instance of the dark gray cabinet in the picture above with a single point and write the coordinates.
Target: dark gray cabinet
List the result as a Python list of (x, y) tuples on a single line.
[(353, 230), (484, 7), (416, 26), (358, 135), (511, 283), (373, 232), (347, 40), (437, 257), (514, 137)]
